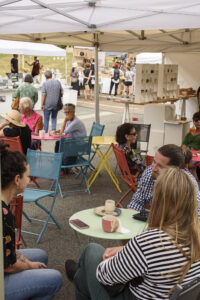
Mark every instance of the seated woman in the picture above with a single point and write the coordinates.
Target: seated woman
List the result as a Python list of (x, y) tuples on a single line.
[(192, 139), (125, 136), (13, 126), (151, 264), (32, 119), (25, 272)]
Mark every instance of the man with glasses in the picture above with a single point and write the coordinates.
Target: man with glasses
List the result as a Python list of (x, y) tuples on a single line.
[(167, 156), (72, 126)]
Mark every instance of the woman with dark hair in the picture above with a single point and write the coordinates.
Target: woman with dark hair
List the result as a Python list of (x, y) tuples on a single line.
[(192, 139), (25, 272), (126, 136), (152, 263)]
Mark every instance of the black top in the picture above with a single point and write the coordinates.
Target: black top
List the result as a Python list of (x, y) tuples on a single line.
[(86, 72), (14, 62), (23, 132), (8, 236)]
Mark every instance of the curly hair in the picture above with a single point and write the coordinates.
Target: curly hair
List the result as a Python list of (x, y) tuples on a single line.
[(122, 130), (12, 163)]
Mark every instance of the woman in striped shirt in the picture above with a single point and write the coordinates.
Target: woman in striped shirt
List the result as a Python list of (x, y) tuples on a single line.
[(151, 264)]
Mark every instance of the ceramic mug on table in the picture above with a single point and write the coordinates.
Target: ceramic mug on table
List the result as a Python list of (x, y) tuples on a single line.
[(110, 223), (109, 206), (42, 134)]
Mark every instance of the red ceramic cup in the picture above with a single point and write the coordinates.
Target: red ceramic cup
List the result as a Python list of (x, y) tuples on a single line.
[(110, 223)]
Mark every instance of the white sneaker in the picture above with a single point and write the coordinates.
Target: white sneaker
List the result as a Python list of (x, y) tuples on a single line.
[(108, 98)]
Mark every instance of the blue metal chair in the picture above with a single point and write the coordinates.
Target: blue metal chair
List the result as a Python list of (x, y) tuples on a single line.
[(96, 130), (73, 151), (43, 165)]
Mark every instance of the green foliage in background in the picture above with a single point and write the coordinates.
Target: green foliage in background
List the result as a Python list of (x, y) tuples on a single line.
[(49, 62)]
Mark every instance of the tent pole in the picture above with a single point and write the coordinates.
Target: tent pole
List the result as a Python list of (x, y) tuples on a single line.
[(22, 60), (66, 64), (96, 87), (1, 249)]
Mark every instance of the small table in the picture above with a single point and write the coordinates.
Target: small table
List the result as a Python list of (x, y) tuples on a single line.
[(47, 137), (95, 228), (98, 141)]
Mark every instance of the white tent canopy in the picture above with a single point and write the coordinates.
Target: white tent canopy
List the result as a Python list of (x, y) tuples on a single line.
[(10, 47), (126, 26)]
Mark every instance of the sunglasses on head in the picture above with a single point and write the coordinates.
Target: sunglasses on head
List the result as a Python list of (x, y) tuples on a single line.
[(196, 119), (134, 134)]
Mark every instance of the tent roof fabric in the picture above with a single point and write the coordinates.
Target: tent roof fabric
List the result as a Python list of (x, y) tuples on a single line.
[(10, 47), (126, 26)]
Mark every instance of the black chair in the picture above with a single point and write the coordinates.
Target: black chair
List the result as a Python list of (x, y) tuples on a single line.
[(143, 134), (187, 291)]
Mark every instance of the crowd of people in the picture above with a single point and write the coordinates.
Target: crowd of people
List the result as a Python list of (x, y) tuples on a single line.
[(152, 263)]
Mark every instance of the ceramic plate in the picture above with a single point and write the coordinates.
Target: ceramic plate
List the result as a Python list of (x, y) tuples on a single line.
[(101, 211)]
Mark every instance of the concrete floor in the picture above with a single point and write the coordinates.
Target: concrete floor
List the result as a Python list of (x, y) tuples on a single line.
[(61, 244)]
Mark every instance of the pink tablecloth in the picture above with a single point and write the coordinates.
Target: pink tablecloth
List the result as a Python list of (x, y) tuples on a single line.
[(47, 137), (195, 157)]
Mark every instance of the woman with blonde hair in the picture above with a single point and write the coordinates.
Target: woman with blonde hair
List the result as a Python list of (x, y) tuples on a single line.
[(151, 264)]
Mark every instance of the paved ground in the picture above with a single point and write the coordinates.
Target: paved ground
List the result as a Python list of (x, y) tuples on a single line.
[(61, 244)]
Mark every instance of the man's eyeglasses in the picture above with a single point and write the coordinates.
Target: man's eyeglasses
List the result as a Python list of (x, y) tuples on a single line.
[(196, 119), (134, 134), (67, 111)]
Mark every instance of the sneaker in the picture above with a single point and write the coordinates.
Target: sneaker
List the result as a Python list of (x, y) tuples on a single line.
[(108, 98), (70, 269)]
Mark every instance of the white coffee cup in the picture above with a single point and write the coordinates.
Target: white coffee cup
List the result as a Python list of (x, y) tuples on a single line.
[(109, 206), (41, 134)]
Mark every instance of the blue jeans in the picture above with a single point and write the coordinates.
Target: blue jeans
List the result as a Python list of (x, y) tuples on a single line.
[(47, 113), (35, 284)]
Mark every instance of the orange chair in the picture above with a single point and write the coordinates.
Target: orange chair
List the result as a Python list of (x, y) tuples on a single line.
[(16, 207), (125, 173), (13, 142), (148, 160)]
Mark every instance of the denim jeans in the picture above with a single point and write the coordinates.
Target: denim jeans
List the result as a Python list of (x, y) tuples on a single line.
[(47, 113), (36, 284), (87, 287)]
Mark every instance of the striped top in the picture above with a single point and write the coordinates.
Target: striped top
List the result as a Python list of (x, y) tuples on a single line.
[(152, 256)]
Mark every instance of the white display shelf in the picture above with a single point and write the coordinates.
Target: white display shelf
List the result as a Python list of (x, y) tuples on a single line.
[(155, 81)]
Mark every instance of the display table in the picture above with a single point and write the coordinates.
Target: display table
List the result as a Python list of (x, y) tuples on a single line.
[(175, 131), (95, 228), (97, 142)]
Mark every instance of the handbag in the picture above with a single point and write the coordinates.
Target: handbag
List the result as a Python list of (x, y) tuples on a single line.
[(74, 79), (15, 103), (60, 103)]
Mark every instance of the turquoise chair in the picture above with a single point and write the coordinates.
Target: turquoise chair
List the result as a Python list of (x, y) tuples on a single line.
[(74, 149), (96, 130), (43, 165)]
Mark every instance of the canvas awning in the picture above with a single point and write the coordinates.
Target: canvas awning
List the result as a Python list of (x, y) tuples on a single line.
[(126, 26), (10, 47)]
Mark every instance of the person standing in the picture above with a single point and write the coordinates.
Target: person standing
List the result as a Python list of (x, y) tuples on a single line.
[(74, 77), (36, 66), (128, 82), (51, 92), (87, 72), (14, 64), (115, 77), (26, 89)]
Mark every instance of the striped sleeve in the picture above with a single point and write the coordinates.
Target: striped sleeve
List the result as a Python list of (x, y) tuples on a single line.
[(124, 266)]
